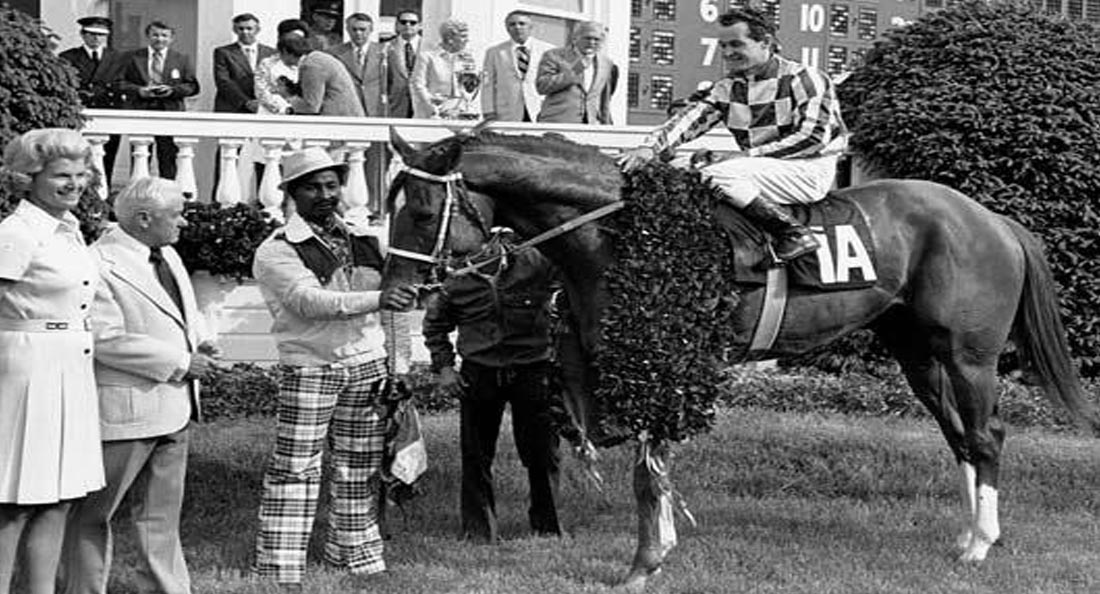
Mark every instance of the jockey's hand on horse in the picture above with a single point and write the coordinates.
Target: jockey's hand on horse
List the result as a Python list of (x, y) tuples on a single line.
[(451, 383), (634, 158), (401, 298)]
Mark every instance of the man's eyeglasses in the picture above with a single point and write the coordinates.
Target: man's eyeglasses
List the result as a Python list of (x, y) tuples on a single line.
[(408, 22)]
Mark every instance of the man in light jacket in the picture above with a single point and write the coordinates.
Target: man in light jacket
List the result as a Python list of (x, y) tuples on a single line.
[(577, 80), (150, 348), (509, 93)]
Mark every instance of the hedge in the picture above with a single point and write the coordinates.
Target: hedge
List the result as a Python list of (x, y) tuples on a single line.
[(1001, 102)]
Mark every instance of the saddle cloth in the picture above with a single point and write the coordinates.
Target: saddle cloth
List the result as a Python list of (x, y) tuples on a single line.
[(845, 261)]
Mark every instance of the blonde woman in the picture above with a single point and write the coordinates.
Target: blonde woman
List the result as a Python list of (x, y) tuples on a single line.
[(50, 452)]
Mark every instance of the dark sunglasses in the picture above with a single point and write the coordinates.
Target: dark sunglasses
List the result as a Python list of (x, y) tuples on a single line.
[(407, 22)]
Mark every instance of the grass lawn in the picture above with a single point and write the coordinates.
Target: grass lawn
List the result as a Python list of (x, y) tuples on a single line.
[(785, 502)]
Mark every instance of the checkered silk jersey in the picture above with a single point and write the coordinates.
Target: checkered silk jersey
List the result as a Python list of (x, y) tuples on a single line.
[(786, 111)]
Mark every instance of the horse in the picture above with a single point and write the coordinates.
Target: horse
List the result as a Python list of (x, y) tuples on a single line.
[(955, 283)]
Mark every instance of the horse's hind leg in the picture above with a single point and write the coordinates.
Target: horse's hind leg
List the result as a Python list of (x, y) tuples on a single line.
[(974, 380), (932, 385)]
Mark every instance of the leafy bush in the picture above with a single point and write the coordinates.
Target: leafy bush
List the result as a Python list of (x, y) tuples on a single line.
[(223, 239), (999, 101), (39, 90)]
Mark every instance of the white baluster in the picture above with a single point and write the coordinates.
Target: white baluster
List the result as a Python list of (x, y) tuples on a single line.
[(96, 143), (271, 197), (185, 167), (139, 151), (356, 197), (229, 187)]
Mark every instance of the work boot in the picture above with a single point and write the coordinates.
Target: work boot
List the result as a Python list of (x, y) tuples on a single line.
[(792, 239)]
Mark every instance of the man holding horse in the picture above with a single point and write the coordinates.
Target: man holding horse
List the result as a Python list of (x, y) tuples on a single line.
[(786, 124)]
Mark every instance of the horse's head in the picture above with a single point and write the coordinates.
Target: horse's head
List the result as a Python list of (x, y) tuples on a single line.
[(438, 219)]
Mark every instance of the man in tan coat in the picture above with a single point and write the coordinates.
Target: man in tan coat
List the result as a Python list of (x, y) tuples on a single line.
[(577, 80), (509, 93), (150, 348)]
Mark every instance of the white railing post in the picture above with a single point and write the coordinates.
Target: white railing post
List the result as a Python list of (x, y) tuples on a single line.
[(229, 186), (270, 196), (356, 196), (97, 141), (185, 166), (139, 151)]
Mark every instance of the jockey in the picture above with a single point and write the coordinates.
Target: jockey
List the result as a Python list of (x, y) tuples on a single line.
[(786, 124)]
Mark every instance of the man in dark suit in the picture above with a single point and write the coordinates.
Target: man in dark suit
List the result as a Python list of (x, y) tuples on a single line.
[(157, 78), (235, 65), (400, 60), (235, 75), (97, 67)]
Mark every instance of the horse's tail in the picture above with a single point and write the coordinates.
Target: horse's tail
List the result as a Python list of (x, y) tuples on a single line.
[(1041, 336)]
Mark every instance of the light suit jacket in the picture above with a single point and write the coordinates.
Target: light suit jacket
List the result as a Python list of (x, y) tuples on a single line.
[(368, 78), (327, 87), (504, 94), (143, 343), (566, 100), (434, 74)]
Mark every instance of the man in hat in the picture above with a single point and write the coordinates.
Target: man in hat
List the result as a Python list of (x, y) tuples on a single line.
[(324, 18), (320, 277), (97, 68)]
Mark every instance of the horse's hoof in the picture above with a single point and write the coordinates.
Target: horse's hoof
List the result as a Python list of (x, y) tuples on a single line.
[(976, 552), (963, 541), (636, 582)]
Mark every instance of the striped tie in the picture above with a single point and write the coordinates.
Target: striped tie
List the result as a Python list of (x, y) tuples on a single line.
[(523, 60)]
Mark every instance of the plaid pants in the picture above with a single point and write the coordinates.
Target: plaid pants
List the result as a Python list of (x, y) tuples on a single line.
[(315, 403)]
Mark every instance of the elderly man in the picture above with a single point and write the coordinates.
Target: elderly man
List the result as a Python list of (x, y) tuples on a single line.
[(150, 348), (786, 126), (439, 75), (509, 93), (320, 276), (577, 80)]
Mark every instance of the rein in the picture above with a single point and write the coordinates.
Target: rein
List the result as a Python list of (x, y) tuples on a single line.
[(449, 203)]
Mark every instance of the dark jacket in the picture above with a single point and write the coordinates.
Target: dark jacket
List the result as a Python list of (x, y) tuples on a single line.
[(178, 74), (98, 86), (234, 78), (502, 319)]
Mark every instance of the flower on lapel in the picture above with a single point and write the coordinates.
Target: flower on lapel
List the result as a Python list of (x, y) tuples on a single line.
[(175, 73)]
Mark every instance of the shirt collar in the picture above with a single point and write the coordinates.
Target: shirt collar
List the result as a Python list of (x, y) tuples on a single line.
[(43, 222), (770, 70), (298, 230), (253, 47), (128, 241)]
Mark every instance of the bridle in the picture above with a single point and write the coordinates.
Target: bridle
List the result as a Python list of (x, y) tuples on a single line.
[(457, 198)]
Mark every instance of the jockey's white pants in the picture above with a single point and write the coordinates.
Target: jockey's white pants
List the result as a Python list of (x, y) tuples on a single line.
[(785, 181)]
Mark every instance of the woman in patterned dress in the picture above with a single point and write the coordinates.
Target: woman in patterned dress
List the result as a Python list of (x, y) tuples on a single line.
[(50, 452)]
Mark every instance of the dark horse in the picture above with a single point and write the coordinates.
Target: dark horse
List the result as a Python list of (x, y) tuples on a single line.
[(955, 283)]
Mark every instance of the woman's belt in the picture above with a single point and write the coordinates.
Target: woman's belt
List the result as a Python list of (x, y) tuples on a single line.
[(11, 325)]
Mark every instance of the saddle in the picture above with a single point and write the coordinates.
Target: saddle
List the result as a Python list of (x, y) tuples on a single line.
[(845, 261)]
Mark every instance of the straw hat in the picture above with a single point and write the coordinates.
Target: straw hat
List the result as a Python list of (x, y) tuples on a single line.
[(311, 160)]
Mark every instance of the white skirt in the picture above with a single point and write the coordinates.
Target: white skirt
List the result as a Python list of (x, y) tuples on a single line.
[(49, 417)]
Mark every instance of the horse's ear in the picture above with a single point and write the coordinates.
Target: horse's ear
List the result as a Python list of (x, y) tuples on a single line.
[(402, 147), (451, 156)]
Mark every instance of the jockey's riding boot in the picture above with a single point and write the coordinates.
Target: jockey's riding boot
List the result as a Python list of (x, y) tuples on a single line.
[(792, 239)]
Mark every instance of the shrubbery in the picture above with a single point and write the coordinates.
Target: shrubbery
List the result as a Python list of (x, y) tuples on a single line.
[(223, 239), (1001, 102)]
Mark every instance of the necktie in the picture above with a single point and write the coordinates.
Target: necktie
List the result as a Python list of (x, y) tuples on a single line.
[(166, 278), (523, 60), (156, 71), (410, 57), (360, 53), (250, 54), (95, 58)]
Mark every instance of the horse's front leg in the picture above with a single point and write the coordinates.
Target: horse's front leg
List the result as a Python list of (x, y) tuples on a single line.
[(656, 528)]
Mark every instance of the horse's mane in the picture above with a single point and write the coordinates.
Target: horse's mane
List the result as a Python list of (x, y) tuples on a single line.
[(541, 167)]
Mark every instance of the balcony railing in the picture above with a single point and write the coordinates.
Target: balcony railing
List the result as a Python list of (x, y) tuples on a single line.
[(351, 137)]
